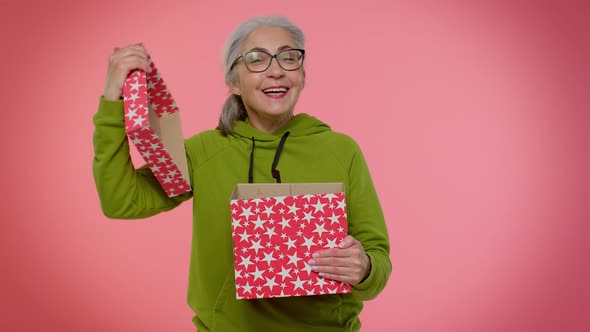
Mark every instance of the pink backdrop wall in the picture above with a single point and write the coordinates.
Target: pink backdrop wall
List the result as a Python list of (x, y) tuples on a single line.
[(474, 119)]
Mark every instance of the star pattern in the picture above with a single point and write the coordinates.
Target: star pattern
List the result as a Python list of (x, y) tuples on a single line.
[(140, 90), (274, 238)]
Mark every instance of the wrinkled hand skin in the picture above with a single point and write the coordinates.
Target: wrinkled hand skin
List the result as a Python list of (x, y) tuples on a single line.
[(121, 63), (348, 263)]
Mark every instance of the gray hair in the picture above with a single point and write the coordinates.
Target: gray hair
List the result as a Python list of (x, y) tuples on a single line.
[(233, 109)]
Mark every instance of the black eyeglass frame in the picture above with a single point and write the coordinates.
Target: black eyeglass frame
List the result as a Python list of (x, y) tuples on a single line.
[(243, 55)]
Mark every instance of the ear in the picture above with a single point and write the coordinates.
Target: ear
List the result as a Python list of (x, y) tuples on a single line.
[(235, 88), (303, 83)]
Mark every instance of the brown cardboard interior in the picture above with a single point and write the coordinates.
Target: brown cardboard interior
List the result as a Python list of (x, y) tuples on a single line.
[(169, 129), (260, 190)]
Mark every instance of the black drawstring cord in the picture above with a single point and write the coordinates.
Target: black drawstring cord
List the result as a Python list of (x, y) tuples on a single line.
[(275, 172), (251, 169)]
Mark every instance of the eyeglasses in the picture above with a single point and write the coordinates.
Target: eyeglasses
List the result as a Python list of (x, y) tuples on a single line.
[(259, 61)]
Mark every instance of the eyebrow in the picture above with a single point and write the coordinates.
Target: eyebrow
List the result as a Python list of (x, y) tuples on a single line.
[(282, 48)]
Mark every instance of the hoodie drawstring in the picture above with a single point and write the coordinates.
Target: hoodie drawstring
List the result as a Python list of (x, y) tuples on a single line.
[(251, 170), (274, 171)]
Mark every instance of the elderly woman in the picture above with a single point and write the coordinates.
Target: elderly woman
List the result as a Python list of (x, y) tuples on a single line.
[(258, 132)]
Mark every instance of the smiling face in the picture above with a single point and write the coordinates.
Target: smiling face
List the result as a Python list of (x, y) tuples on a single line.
[(269, 96)]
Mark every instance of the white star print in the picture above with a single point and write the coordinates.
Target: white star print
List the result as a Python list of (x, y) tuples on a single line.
[(235, 223), (298, 284), (246, 261), (279, 200), (284, 273), (293, 209), (319, 228), (135, 86), (138, 121), (293, 259), (308, 216), (330, 196), (306, 268), (284, 223), (247, 288), (246, 212), (331, 243), (308, 242), (257, 274), (319, 207), (256, 245), (268, 210), (342, 204), (270, 232), (308, 197), (270, 283), (244, 236), (268, 258), (131, 113), (258, 222), (290, 243), (333, 218)]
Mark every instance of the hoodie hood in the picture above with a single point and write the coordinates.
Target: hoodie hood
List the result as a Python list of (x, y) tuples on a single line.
[(299, 125)]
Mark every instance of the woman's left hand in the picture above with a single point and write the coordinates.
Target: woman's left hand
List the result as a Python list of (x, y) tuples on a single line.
[(348, 263)]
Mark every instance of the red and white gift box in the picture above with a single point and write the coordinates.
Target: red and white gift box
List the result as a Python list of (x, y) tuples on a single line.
[(276, 228), (152, 123)]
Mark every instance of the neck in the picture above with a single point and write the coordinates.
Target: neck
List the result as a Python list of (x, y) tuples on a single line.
[(269, 124)]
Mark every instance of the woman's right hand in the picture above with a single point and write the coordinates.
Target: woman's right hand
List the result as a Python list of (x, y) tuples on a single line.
[(121, 63)]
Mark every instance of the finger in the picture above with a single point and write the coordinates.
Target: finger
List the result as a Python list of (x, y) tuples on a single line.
[(129, 63), (337, 277), (347, 242), (334, 270), (331, 261), (335, 252), (125, 53), (120, 53)]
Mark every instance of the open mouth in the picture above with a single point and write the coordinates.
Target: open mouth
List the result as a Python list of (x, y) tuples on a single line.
[(275, 92)]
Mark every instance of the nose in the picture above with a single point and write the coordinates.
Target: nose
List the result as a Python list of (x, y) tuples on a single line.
[(275, 70)]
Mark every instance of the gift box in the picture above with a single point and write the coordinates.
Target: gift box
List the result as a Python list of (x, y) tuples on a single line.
[(276, 228), (152, 123)]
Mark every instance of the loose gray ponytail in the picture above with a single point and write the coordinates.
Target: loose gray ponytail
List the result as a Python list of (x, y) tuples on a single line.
[(233, 109)]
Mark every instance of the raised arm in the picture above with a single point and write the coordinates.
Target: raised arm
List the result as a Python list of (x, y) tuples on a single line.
[(124, 192)]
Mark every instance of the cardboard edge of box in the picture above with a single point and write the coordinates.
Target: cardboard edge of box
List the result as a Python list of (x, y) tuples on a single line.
[(261, 190)]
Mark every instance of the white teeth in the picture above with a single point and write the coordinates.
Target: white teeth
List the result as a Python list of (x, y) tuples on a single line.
[(275, 90)]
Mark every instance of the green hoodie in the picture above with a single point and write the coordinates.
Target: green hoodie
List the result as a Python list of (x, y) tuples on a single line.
[(312, 153)]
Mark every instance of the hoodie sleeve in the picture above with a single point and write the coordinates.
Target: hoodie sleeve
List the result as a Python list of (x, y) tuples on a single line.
[(367, 225), (124, 192)]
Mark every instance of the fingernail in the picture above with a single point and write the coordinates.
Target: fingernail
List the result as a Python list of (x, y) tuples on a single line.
[(342, 244), (321, 274), (315, 255), (315, 268), (311, 262)]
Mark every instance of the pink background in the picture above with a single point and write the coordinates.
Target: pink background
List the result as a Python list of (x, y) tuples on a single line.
[(474, 119)]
